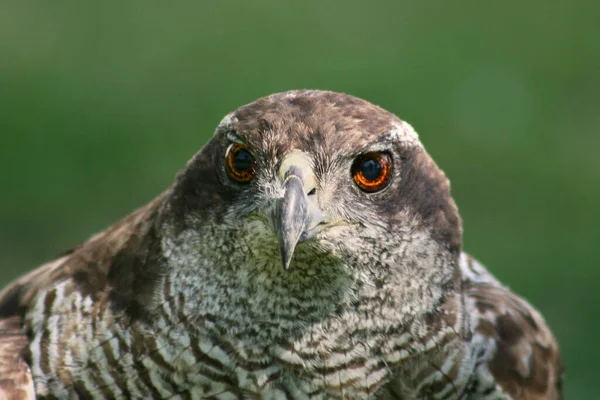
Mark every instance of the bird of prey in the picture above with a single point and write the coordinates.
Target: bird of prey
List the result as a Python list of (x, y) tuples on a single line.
[(310, 250)]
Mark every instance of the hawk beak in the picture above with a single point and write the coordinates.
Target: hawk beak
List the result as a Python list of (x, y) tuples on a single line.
[(295, 213), (291, 217)]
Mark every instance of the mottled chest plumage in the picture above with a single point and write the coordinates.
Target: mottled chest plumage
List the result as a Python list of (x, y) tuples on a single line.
[(348, 355), (323, 329)]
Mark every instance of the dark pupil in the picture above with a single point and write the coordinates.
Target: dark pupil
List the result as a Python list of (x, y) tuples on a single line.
[(242, 160), (371, 169)]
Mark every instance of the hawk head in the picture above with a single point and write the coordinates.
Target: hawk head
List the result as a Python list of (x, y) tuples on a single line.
[(304, 174)]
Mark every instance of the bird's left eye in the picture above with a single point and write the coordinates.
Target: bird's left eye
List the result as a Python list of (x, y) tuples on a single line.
[(372, 171), (240, 163)]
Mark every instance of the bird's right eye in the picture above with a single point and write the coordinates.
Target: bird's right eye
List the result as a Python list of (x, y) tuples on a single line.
[(240, 163)]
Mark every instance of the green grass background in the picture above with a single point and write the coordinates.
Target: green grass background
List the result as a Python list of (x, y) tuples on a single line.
[(101, 103)]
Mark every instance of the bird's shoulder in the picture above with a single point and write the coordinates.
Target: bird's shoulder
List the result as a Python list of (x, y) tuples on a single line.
[(115, 264), (517, 357), (110, 258)]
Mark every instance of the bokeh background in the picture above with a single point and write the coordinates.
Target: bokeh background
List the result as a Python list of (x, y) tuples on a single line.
[(101, 103)]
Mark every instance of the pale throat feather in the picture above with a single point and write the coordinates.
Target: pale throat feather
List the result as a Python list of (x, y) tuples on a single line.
[(237, 275)]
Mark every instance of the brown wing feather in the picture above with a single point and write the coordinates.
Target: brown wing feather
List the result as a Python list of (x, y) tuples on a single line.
[(522, 355), (15, 376), (92, 265), (111, 259)]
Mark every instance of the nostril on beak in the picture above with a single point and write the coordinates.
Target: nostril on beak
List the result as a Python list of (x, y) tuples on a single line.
[(312, 192)]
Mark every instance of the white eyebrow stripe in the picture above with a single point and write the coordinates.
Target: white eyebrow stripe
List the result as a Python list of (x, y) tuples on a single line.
[(401, 132), (227, 121), (375, 147), (404, 132), (234, 138)]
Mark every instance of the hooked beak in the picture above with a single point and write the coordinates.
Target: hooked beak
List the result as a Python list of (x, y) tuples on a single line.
[(295, 214)]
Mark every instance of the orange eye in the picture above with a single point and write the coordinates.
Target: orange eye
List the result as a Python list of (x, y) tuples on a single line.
[(372, 171), (240, 163)]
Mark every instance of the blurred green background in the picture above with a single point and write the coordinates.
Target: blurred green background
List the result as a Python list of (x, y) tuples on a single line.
[(101, 103)]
